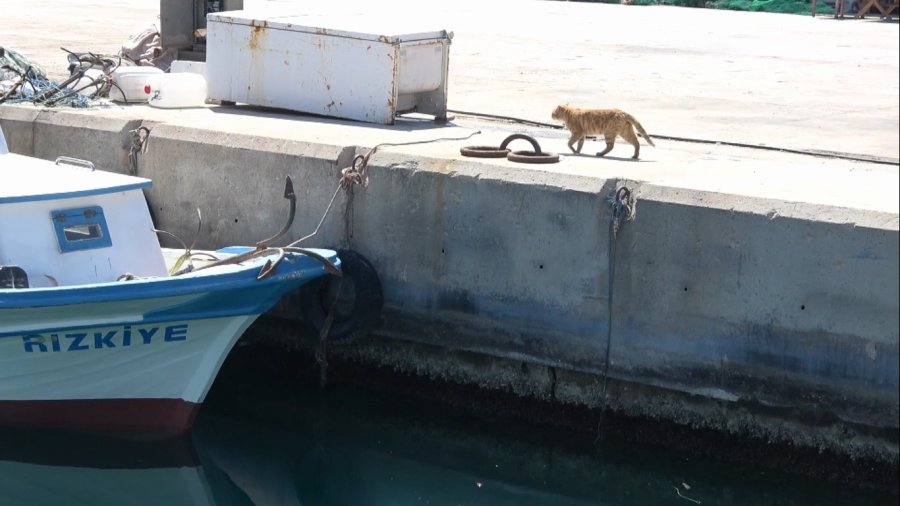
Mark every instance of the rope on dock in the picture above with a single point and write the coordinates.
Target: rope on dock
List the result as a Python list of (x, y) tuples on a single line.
[(883, 160), (22, 81)]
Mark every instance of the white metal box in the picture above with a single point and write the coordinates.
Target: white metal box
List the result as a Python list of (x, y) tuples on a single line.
[(304, 63)]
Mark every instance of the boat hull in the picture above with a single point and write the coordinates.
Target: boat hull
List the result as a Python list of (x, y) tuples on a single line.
[(130, 377), (133, 356)]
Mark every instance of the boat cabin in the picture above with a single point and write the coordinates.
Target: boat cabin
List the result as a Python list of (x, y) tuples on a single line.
[(63, 223)]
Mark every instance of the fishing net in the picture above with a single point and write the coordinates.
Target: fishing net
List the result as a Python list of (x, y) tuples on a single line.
[(13, 63), (783, 6), (22, 80)]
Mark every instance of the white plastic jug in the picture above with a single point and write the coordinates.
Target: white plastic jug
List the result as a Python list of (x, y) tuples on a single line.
[(133, 83), (179, 90)]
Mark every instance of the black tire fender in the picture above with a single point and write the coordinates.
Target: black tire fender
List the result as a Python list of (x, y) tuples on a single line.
[(358, 309)]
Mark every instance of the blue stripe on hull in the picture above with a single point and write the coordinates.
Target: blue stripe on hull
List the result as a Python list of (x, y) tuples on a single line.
[(194, 297)]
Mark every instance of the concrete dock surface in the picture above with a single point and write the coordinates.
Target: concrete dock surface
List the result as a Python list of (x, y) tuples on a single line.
[(757, 270), (772, 80)]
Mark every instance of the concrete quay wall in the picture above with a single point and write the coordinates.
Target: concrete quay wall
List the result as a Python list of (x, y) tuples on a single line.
[(744, 315)]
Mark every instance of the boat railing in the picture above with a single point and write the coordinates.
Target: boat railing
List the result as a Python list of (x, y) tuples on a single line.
[(78, 162)]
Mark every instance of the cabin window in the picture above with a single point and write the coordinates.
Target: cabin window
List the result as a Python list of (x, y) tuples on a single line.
[(81, 228)]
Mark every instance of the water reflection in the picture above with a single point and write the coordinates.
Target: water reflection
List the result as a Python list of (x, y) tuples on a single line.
[(345, 448), (292, 469), (341, 448), (53, 468)]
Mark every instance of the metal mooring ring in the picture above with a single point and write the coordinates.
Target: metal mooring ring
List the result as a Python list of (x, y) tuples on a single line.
[(484, 151)]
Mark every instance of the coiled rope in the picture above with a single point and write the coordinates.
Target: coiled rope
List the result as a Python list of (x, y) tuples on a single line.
[(139, 140)]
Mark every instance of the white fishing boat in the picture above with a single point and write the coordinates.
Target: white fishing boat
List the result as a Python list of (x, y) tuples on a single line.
[(101, 327)]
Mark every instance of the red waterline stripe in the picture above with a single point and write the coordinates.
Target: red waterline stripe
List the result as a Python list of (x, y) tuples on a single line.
[(141, 417)]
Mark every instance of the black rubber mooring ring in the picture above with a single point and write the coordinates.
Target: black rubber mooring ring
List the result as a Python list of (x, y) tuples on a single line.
[(484, 151), (534, 143), (532, 157)]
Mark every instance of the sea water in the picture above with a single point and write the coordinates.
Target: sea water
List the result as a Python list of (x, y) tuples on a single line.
[(261, 443)]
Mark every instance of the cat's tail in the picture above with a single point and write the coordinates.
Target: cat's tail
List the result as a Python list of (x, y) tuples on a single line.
[(640, 129)]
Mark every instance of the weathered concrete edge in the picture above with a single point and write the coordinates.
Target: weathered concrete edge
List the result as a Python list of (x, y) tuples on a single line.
[(51, 136), (527, 379), (727, 332), (23, 124)]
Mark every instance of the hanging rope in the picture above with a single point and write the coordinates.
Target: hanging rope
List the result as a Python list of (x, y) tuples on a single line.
[(623, 210), (322, 345), (623, 205), (139, 140), (355, 174), (322, 350)]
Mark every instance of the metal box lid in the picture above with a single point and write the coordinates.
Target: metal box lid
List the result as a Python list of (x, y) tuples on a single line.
[(352, 25)]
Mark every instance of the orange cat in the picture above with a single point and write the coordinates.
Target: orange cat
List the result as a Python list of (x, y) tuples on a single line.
[(606, 122)]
